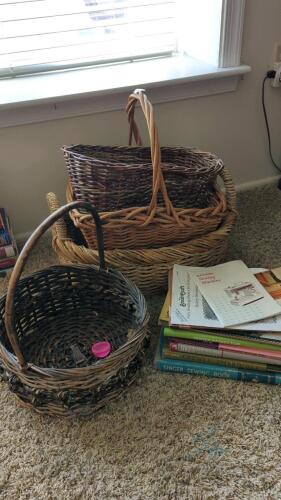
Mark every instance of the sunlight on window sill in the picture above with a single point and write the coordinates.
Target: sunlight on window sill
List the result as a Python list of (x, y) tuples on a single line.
[(57, 95)]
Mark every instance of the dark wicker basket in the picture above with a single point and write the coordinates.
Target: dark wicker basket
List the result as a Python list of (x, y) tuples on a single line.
[(117, 177), (153, 225), (50, 319), (112, 178)]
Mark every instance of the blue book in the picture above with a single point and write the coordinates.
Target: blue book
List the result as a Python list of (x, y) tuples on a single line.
[(5, 230), (180, 366)]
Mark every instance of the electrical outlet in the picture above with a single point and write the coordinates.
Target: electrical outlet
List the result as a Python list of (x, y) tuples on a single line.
[(276, 81), (278, 52)]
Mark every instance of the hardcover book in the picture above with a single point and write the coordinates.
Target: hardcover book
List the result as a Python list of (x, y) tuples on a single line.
[(211, 370)]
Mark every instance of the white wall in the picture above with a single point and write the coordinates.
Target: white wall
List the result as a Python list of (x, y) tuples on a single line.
[(230, 125)]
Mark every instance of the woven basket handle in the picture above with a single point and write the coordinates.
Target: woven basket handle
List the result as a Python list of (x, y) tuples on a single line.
[(230, 192), (23, 257), (158, 183)]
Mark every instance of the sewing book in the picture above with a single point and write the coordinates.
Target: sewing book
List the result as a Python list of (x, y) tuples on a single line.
[(226, 295)]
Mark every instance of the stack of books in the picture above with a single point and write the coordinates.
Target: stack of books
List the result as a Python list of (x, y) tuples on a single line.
[(222, 321), (8, 247)]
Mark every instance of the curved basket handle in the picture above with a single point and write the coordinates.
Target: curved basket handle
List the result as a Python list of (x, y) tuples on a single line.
[(158, 183), (59, 228), (23, 256), (230, 192)]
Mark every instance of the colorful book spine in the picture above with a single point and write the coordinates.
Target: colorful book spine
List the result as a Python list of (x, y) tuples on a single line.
[(6, 263), (199, 335), (209, 370), (210, 350), (7, 251), (2, 225), (250, 350), (236, 363), (5, 238), (5, 230), (177, 344), (225, 351)]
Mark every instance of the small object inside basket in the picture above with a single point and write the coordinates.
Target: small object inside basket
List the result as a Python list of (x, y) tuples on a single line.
[(101, 349), (79, 358)]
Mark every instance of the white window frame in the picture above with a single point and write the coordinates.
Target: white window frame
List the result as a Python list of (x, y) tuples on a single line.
[(42, 97)]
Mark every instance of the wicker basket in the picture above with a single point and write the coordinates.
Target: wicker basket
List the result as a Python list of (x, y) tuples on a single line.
[(114, 178), (148, 268), (49, 321), (152, 226)]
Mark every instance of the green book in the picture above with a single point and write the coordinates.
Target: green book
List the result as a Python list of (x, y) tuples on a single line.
[(219, 339)]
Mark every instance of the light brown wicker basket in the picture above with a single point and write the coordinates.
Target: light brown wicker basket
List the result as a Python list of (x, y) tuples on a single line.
[(153, 225), (148, 268)]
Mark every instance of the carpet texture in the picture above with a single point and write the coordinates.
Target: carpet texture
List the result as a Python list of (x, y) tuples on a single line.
[(170, 436)]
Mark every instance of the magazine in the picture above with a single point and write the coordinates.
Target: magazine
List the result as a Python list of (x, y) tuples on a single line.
[(233, 297)]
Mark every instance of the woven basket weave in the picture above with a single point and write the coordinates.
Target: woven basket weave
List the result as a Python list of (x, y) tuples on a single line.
[(148, 268), (153, 225), (116, 177), (50, 319)]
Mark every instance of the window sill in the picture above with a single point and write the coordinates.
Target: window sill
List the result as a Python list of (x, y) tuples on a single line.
[(93, 90)]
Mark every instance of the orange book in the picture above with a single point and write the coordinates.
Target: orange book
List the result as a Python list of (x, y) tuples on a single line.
[(271, 281)]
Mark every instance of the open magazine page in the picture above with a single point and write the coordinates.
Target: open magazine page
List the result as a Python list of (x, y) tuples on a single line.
[(190, 308)]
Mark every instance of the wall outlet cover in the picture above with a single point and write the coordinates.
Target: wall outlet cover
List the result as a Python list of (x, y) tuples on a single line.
[(276, 81)]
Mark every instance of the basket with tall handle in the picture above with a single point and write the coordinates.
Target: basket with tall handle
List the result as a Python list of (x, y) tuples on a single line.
[(50, 319), (117, 177), (162, 221)]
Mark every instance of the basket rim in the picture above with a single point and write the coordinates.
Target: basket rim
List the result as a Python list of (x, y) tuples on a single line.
[(131, 256), (217, 208), (211, 159), (13, 365)]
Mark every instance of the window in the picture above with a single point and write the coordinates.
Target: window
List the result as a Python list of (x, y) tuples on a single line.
[(43, 35), (62, 58)]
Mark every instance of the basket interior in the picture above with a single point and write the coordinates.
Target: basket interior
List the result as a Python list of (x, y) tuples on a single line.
[(65, 306)]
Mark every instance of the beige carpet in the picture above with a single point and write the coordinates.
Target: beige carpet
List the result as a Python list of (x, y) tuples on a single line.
[(170, 437)]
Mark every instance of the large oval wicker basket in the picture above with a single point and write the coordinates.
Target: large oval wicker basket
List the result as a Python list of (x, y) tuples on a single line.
[(117, 177), (153, 224), (50, 319), (148, 268)]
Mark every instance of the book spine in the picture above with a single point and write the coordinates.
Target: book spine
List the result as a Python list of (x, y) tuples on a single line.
[(12, 236), (223, 351), (5, 263), (7, 251), (177, 366), (266, 353), (215, 361), (6, 236), (199, 335), (209, 351), (177, 343), (1, 220)]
